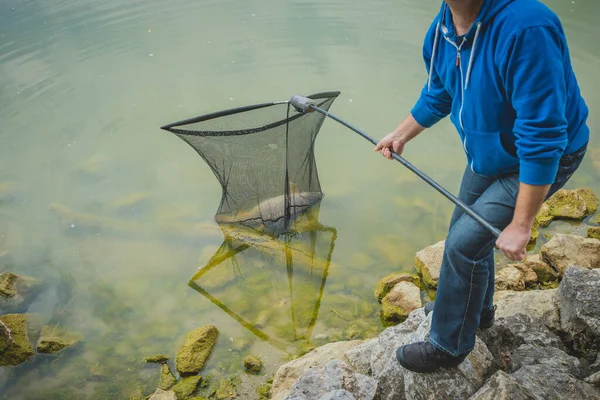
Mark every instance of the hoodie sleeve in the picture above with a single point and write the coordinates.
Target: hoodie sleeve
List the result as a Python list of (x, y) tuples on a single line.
[(434, 102), (536, 87)]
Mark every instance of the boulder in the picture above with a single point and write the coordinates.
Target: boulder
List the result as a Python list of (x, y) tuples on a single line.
[(593, 379), (591, 200), (334, 380), (552, 357), (544, 217), (403, 299), (196, 350), (594, 233), (567, 204), (579, 303), (563, 251), (550, 384), (386, 284), (14, 341), (429, 263), (510, 278), (539, 304), (502, 387), (54, 339), (289, 373), (544, 272), (17, 292)]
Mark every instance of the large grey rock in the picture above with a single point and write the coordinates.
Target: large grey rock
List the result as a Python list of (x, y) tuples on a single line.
[(502, 387), (329, 380), (542, 304), (338, 395), (546, 383), (563, 251), (288, 374), (579, 303), (557, 359), (359, 357), (594, 379)]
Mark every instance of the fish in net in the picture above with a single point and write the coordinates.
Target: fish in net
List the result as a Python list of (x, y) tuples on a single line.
[(263, 157)]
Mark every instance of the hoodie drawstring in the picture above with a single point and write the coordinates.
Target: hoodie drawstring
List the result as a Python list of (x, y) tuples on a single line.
[(471, 56), (435, 41)]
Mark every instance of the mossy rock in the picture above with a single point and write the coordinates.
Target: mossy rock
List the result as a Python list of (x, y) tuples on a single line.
[(15, 347), (186, 387), (591, 200), (594, 233), (264, 391), (386, 284), (167, 380), (54, 339), (596, 219), (252, 364), (157, 359), (428, 262), (567, 204), (196, 350), (226, 390), (403, 299), (17, 291), (544, 217)]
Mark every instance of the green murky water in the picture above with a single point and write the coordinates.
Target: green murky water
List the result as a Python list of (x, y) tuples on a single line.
[(116, 215)]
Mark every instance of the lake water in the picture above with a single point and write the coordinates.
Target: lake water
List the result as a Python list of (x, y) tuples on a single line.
[(116, 216)]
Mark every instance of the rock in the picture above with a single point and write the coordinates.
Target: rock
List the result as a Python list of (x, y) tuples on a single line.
[(510, 278), (579, 303), (544, 217), (539, 304), (14, 342), (527, 354), (593, 379), (403, 299), (596, 219), (550, 384), (54, 339), (167, 380), (17, 292), (186, 387), (338, 395), (529, 276), (386, 284), (163, 395), (594, 233), (567, 204), (429, 262), (252, 364), (196, 349), (157, 359), (226, 390), (359, 357), (591, 200), (565, 250), (544, 272), (595, 367), (502, 387), (328, 380), (289, 373)]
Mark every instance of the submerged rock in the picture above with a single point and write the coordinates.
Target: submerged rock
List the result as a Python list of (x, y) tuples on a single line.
[(186, 387), (591, 200), (429, 263), (226, 390), (167, 380), (196, 349), (567, 204), (157, 359), (403, 299), (252, 364), (563, 251), (386, 284), (163, 395), (334, 380), (17, 291), (579, 302), (14, 341), (54, 339)]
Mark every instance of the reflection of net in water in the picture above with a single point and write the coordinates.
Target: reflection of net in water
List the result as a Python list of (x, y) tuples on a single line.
[(272, 287), (263, 157)]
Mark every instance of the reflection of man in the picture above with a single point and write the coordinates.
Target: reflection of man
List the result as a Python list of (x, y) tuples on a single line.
[(501, 69)]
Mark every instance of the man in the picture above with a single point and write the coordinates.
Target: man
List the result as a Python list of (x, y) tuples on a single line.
[(501, 69)]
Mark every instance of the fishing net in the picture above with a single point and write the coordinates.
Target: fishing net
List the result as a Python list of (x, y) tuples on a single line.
[(263, 157)]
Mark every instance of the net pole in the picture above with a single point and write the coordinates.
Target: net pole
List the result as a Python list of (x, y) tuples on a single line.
[(496, 232)]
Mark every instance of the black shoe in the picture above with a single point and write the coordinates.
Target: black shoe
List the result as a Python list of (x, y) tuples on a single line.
[(486, 321), (423, 357)]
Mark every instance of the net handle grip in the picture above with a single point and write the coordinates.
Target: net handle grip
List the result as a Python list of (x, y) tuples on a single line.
[(303, 104)]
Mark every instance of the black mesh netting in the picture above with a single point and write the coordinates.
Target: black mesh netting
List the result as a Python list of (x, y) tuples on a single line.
[(263, 157)]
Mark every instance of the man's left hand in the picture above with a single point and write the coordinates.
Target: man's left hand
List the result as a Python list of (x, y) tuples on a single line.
[(513, 241)]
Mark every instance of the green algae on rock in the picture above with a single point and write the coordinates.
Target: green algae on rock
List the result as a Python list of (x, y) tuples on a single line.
[(167, 380), (252, 364), (16, 291), (196, 349), (591, 200), (544, 217), (226, 390), (157, 359), (429, 262), (594, 233), (403, 299), (567, 204), (386, 284), (14, 342), (186, 387), (54, 339)]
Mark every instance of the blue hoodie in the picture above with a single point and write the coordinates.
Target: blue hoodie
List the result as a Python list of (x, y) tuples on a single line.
[(509, 88)]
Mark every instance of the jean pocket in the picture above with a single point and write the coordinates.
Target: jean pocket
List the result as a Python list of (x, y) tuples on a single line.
[(488, 155)]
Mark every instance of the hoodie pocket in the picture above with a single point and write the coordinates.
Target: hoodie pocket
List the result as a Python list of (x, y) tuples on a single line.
[(488, 155)]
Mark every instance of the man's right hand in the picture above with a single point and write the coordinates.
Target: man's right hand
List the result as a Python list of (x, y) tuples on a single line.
[(391, 142)]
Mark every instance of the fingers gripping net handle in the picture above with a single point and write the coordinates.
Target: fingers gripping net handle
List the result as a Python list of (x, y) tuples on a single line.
[(303, 104)]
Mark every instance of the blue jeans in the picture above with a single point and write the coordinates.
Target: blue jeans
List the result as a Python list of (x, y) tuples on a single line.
[(466, 285)]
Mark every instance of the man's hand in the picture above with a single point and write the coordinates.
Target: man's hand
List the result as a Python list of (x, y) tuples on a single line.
[(391, 141), (513, 241)]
